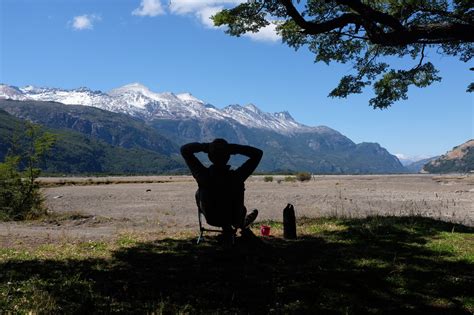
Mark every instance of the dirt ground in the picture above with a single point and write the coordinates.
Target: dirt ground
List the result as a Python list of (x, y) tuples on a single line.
[(105, 208)]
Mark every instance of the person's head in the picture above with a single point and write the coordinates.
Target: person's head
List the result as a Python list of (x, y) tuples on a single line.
[(219, 152)]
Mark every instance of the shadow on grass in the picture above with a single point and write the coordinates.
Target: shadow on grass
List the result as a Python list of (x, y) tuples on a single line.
[(359, 266)]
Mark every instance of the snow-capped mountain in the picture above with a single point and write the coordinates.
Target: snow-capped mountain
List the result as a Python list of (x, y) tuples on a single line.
[(12, 92), (167, 121), (137, 100), (251, 116), (410, 159)]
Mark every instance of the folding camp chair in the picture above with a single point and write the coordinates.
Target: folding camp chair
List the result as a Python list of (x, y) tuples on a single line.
[(202, 229)]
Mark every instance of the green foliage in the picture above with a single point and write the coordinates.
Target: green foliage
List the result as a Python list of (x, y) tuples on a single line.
[(20, 197), (363, 33), (242, 19), (77, 153), (303, 176), (268, 179)]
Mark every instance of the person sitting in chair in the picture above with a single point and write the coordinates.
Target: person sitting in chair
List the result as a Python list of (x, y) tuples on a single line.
[(220, 194)]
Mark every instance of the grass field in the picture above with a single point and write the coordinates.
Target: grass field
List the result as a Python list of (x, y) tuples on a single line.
[(375, 265)]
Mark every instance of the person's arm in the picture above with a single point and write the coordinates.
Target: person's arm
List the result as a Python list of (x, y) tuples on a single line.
[(254, 155), (188, 152)]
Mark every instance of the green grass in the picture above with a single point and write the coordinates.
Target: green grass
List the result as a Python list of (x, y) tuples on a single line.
[(378, 265)]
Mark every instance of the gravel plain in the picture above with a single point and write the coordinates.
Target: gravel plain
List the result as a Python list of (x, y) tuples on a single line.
[(163, 206)]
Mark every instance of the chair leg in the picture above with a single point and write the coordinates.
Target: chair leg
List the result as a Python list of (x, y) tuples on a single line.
[(200, 237), (201, 230)]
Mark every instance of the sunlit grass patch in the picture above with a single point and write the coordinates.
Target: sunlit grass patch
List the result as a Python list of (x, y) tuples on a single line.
[(305, 226), (275, 225), (321, 225), (460, 246), (13, 253), (127, 240)]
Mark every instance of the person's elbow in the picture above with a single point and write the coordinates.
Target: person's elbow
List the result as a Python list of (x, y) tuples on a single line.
[(185, 150), (258, 154)]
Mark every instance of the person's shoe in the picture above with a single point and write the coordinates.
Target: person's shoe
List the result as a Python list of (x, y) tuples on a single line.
[(250, 218)]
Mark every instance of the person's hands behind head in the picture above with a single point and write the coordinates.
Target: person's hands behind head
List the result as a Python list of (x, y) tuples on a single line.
[(205, 147), (219, 153)]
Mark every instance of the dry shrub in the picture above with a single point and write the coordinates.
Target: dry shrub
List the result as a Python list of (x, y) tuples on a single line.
[(303, 176), (268, 179)]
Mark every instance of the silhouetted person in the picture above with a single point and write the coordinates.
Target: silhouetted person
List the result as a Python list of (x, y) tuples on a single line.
[(220, 196)]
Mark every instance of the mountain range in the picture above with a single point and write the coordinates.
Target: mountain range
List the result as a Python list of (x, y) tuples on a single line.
[(133, 117), (138, 101)]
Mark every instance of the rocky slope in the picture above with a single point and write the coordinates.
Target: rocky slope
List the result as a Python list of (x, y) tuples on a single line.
[(459, 160)]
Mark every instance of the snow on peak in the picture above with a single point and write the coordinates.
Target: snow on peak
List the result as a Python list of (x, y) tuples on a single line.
[(83, 89), (130, 88), (137, 100), (284, 115), (251, 116), (188, 97), (31, 89), (253, 108), (11, 92)]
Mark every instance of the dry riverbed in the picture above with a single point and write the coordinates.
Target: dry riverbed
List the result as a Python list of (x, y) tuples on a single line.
[(163, 206)]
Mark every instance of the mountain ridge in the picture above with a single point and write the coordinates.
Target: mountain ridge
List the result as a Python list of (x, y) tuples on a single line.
[(137, 100), (182, 118)]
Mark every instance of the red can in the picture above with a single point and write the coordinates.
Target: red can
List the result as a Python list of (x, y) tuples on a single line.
[(265, 230)]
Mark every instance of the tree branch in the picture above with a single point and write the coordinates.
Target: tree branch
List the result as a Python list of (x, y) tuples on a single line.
[(434, 33), (369, 13), (421, 58), (312, 28)]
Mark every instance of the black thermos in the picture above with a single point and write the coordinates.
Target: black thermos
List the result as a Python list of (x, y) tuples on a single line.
[(289, 222)]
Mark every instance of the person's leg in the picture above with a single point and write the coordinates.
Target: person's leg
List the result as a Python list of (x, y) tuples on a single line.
[(250, 218), (238, 216), (198, 200), (237, 208), (214, 217)]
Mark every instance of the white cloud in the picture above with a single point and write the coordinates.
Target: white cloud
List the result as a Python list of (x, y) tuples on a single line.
[(149, 8), (193, 6), (204, 9), (84, 22), (266, 34)]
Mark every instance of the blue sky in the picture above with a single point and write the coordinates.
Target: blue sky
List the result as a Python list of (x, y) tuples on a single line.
[(171, 46)]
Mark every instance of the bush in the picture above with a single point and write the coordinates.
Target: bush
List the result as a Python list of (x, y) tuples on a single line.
[(303, 176), (290, 179), (20, 197), (268, 179)]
